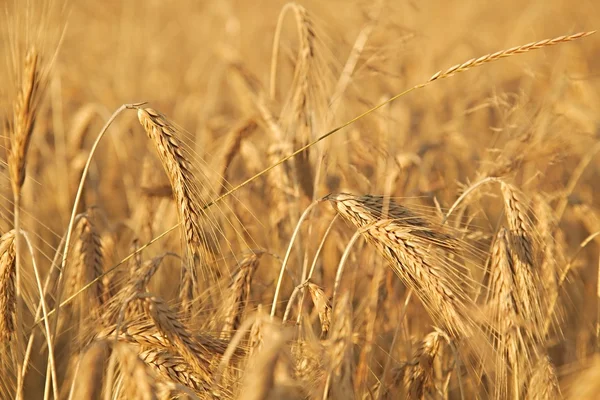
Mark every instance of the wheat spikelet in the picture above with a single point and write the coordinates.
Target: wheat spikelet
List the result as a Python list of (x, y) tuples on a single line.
[(145, 334), (179, 171), (181, 340), (475, 62), (172, 367), (525, 271), (415, 248), (546, 228), (236, 301), (7, 286), (506, 309), (137, 284), (311, 356), (543, 384), (24, 119), (87, 259), (421, 372), (323, 306)]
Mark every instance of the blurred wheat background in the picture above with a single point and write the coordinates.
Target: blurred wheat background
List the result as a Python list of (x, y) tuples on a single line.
[(442, 246)]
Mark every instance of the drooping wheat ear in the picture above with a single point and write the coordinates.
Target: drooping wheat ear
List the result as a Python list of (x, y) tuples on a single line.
[(323, 306), (512, 339), (521, 241), (24, 119), (7, 286), (417, 249), (421, 371), (179, 170), (88, 382), (145, 334), (340, 383), (138, 380), (236, 300), (172, 367), (179, 337), (476, 62), (543, 384)]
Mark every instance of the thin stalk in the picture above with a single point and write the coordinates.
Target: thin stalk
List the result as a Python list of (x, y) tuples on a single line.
[(76, 204)]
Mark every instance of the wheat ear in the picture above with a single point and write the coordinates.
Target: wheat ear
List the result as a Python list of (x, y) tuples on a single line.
[(179, 170), (7, 286), (417, 250)]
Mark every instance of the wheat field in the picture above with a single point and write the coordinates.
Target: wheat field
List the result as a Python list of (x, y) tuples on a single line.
[(304, 200)]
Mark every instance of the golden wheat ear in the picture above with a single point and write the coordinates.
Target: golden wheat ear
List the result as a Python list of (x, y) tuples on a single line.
[(180, 172), (8, 300), (416, 250)]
